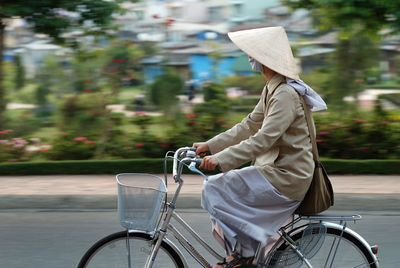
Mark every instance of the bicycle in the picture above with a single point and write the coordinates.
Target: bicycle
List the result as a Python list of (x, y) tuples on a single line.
[(307, 241)]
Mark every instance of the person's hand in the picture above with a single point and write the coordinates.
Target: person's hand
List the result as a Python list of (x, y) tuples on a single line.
[(202, 148), (209, 162)]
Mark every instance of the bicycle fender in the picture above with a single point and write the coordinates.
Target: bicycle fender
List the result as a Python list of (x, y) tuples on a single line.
[(174, 247), (355, 235)]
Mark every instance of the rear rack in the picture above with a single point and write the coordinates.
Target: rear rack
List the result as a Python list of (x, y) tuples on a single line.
[(332, 217), (323, 217)]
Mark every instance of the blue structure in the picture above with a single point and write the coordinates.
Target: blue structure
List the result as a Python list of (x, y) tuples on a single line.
[(152, 67), (201, 67), (208, 35), (8, 58), (151, 73)]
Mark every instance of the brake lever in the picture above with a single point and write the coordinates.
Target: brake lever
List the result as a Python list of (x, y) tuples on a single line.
[(192, 167)]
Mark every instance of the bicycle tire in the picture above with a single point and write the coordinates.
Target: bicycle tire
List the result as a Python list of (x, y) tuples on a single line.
[(351, 252), (111, 251)]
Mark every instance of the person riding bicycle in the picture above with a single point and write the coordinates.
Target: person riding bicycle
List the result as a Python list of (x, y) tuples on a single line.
[(250, 204)]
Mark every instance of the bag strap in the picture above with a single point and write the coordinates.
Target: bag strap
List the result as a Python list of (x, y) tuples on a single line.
[(311, 130)]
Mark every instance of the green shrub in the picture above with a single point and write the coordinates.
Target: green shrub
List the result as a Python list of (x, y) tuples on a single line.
[(164, 90), (214, 91), (22, 122), (155, 166), (252, 84), (84, 113), (216, 104), (250, 100)]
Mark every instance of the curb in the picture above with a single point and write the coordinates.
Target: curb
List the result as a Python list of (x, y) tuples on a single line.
[(350, 202)]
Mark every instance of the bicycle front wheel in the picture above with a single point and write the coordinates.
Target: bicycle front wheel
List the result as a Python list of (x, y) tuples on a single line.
[(334, 249), (112, 251)]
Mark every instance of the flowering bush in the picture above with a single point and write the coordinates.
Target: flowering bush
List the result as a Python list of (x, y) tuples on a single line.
[(145, 144), (366, 138), (15, 149), (361, 136), (67, 146), (12, 150), (84, 114)]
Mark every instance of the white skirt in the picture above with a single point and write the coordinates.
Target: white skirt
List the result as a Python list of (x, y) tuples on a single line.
[(246, 207)]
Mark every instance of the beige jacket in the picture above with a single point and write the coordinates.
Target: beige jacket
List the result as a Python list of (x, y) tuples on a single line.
[(275, 137)]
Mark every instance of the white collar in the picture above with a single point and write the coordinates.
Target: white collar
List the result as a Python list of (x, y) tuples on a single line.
[(312, 99)]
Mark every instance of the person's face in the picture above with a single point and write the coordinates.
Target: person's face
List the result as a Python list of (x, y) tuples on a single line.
[(255, 65)]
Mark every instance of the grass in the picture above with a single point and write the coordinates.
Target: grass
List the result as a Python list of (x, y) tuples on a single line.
[(27, 94), (235, 118), (128, 94), (46, 133), (158, 130)]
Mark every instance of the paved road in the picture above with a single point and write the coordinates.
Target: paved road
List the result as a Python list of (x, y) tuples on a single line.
[(49, 239)]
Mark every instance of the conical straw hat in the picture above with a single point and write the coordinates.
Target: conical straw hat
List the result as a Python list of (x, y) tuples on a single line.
[(269, 46)]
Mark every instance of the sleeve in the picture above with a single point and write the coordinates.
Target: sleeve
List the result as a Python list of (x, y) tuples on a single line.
[(241, 131), (281, 114)]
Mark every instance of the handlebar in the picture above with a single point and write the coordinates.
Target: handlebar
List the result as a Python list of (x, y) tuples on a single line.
[(186, 155)]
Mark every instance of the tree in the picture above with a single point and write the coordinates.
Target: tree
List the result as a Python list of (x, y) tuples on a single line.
[(358, 23), (52, 17), (164, 90), (353, 57), (371, 15), (86, 71), (20, 73), (54, 78), (122, 65)]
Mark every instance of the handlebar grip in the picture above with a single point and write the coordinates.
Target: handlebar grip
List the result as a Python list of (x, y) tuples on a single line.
[(198, 161), (193, 149)]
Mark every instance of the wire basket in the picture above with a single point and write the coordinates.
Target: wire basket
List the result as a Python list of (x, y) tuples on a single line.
[(140, 200)]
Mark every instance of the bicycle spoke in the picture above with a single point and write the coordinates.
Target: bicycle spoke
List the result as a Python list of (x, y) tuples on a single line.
[(112, 252), (128, 249), (339, 249), (362, 265)]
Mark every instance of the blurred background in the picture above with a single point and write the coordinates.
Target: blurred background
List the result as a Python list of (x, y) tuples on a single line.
[(109, 79), (96, 82)]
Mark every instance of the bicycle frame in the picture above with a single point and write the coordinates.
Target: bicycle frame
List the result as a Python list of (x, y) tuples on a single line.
[(166, 225), (260, 256)]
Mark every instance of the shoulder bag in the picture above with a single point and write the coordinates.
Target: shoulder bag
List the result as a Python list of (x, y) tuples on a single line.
[(319, 196)]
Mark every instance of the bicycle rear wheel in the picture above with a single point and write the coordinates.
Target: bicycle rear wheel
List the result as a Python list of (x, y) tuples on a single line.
[(351, 252), (111, 251)]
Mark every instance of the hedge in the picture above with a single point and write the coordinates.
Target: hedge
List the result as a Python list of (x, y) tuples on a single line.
[(369, 166), (155, 166)]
